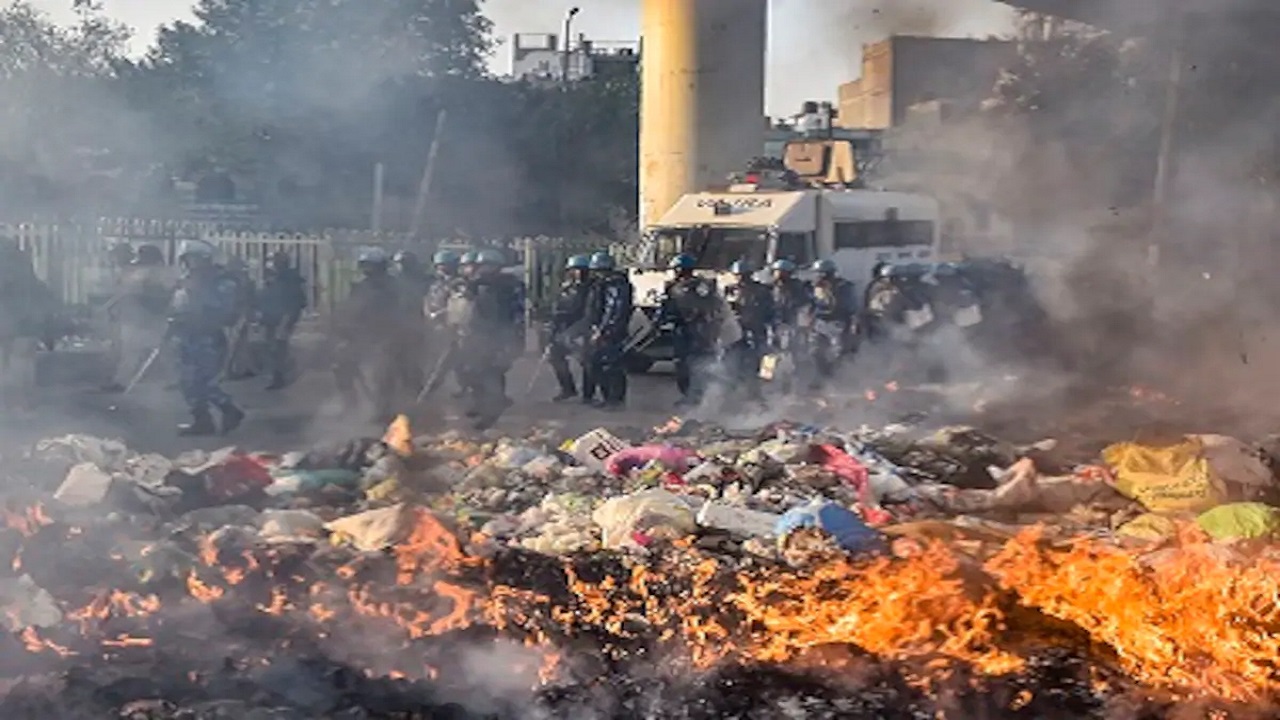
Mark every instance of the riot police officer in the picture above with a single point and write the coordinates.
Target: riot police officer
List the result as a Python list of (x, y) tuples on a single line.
[(280, 305), (413, 278), (691, 305), (140, 308), (835, 319), (567, 328), (446, 274), (203, 308), (609, 307), (491, 335), (752, 305), (369, 326)]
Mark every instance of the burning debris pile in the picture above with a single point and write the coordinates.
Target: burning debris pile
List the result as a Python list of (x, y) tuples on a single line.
[(685, 572)]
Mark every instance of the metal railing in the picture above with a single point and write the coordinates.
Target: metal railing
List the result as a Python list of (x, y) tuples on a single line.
[(73, 258)]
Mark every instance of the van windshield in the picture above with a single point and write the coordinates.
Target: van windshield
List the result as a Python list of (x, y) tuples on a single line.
[(716, 248)]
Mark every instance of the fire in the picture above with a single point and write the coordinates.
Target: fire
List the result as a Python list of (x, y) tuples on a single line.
[(429, 547), (128, 641), (27, 522), (1191, 621), (35, 644), (921, 607), (202, 592)]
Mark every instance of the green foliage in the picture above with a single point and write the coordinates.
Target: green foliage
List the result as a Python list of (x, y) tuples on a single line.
[(298, 100)]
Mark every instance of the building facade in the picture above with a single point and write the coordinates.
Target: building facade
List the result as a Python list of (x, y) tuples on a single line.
[(540, 56), (904, 71)]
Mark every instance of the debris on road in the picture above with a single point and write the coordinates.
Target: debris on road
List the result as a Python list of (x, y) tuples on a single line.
[(731, 555)]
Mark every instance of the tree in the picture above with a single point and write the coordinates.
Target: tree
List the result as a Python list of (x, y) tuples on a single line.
[(290, 94), (60, 123)]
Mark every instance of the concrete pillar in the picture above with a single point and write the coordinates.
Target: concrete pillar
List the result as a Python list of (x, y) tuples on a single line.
[(702, 96)]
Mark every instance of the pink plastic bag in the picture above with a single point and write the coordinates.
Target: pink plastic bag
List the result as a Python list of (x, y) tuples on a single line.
[(855, 474), (673, 458)]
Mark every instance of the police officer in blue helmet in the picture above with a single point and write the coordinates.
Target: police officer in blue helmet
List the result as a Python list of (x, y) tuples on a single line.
[(567, 329), (203, 309), (691, 306), (752, 305), (835, 311), (608, 315)]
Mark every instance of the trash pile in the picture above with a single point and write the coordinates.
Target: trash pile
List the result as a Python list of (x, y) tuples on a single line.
[(679, 571)]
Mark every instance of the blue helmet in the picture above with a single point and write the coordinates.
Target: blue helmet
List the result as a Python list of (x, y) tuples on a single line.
[(489, 256), (602, 261), (577, 262), (741, 267), (683, 261), (469, 258), (447, 258), (825, 267), (784, 265)]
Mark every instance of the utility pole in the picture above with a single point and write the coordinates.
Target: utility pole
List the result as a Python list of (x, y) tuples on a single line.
[(562, 166), (566, 54)]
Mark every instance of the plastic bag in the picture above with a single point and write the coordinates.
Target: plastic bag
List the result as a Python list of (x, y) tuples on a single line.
[(1241, 521), (1172, 478), (842, 524), (668, 456), (637, 519)]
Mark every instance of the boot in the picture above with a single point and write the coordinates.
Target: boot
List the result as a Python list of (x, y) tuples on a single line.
[(201, 425), (565, 396), (232, 416)]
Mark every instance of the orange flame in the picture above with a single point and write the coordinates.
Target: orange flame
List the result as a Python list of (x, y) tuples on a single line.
[(1194, 621)]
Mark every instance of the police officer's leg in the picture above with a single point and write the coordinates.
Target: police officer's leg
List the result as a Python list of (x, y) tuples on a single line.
[(232, 415), (591, 380), (558, 359), (614, 372), (749, 369), (198, 370)]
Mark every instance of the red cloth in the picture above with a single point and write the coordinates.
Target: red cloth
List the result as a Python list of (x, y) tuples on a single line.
[(856, 474), (238, 476)]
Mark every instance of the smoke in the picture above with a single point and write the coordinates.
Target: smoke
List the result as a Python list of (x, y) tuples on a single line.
[(1066, 153), (815, 45)]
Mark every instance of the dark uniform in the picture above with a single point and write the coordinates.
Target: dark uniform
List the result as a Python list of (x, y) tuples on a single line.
[(141, 307), (792, 309), (752, 305), (203, 307), (239, 362), (369, 326), (608, 313), (567, 329), (490, 335), (280, 305), (414, 283), (835, 312), (435, 306), (691, 306)]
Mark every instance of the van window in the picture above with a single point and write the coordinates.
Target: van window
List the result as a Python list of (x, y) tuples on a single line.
[(794, 247), (882, 233)]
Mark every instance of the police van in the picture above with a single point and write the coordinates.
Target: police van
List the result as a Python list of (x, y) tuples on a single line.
[(808, 206)]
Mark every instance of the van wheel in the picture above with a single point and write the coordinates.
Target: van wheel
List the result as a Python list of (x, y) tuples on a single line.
[(638, 364)]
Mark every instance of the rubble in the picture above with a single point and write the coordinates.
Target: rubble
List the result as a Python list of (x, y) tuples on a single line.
[(791, 571)]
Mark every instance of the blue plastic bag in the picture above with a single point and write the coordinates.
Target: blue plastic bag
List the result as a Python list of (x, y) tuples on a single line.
[(842, 524)]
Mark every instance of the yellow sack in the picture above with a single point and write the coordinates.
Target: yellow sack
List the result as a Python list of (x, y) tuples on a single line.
[(1172, 478), (1149, 527)]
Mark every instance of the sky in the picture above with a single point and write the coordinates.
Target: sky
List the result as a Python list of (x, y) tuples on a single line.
[(814, 45)]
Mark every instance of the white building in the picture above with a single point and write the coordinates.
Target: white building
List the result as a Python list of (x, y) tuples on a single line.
[(538, 56)]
